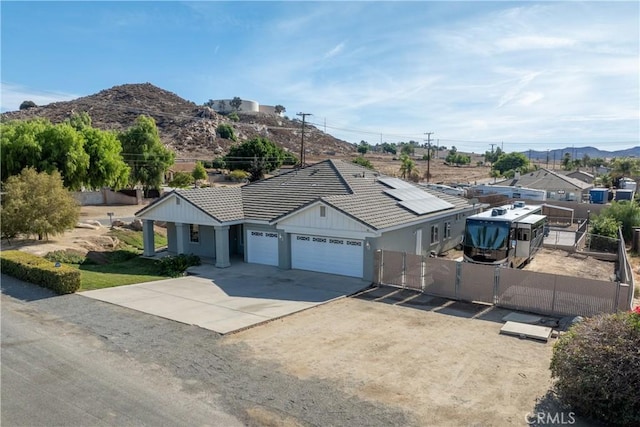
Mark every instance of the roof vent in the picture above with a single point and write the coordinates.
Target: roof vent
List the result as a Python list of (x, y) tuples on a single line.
[(519, 204), (498, 212)]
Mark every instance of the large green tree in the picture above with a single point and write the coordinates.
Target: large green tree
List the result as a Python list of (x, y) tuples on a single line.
[(257, 156), (106, 165), (145, 154), (20, 143), (37, 204), (625, 166), (83, 155), (63, 150), (511, 161)]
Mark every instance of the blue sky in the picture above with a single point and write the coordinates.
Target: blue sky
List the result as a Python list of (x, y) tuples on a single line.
[(531, 75)]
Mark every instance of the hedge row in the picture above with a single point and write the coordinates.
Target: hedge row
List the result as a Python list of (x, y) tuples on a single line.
[(37, 270)]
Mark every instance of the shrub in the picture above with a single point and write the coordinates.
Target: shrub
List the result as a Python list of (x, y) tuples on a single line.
[(218, 163), (362, 162), (597, 368), (37, 270), (175, 266), (68, 256), (234, 117), (226, 131), (238, 175), (27, 104), (181, 180)]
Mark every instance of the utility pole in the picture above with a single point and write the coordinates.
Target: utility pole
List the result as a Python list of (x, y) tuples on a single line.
[(304, 115), (428, 154), (547, 158)]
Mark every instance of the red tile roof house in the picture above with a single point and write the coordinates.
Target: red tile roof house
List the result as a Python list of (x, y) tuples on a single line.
[(328, 217)]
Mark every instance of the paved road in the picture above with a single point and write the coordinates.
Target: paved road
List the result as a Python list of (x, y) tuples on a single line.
[(118, 366), (56, 374)]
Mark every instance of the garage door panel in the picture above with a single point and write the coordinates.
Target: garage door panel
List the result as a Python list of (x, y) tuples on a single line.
[(262, 247), (327, 255)]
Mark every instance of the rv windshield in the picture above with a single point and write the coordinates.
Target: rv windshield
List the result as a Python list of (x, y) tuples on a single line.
[(487, 234)]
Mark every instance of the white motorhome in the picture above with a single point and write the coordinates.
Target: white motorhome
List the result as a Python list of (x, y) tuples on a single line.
[(508, 236), (511, 192)]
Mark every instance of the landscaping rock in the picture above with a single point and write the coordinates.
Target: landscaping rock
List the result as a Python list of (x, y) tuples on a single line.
[(136, 225)]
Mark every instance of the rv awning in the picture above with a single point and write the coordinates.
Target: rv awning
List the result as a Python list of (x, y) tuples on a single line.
[(531, 219)]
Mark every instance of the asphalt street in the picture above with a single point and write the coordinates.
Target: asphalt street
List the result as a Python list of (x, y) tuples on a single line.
[(71, 360), (55, 374)]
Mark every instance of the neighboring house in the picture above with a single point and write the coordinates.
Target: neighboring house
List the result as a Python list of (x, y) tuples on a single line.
[(329, 217), (557, 186), (582, 176)]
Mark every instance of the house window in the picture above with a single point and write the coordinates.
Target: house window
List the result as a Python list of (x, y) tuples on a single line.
[(323, 211), (194, 233), (447, 230), (177, 201), (435, 238)]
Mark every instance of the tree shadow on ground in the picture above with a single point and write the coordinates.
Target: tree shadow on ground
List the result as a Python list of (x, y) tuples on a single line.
[(549, 411)]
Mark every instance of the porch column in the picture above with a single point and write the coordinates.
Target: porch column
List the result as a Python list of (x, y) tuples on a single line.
[(222, 246), (148, 241), (180, 237)]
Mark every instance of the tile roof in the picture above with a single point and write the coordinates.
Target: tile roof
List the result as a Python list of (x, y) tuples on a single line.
[(544, 179), (222, 203), (348, 187)]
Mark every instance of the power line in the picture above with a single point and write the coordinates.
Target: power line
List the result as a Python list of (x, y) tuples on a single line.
[(151, 112), (304, 115), (428, 154)]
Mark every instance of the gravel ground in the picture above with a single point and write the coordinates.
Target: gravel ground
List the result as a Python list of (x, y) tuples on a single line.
[(256, 391)]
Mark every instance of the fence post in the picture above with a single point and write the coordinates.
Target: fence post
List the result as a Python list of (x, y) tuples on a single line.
[(617, 300), (458, 281), (380, 267), (496, 284), (403, 279), (553, 296), (423, 270)]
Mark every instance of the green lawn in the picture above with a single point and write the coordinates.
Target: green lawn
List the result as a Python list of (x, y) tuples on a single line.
[(135, 270), (134, 238)]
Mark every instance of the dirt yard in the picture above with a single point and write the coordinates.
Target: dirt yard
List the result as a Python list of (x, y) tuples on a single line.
[(79, 239), (437, 363)]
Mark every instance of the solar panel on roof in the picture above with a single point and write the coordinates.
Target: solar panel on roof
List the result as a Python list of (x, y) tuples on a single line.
[(425, 206), (395, 183), (412, 193)]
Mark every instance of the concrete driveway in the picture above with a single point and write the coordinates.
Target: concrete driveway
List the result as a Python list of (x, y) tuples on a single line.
[(229, 299)]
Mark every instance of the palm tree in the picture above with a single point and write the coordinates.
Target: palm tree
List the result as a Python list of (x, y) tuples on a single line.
[(407, 166)]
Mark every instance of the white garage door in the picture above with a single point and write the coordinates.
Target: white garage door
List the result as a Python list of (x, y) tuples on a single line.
[(327, 254), (262, 247)]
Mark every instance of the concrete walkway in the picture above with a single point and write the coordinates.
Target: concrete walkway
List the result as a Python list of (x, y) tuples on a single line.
[(226, 300)]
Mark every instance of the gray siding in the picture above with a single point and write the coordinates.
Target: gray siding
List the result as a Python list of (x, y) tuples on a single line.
[(206, 247), (404, 240), (172, 244)]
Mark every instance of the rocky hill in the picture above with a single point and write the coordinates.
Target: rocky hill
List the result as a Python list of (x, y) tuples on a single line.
[(188, 128)]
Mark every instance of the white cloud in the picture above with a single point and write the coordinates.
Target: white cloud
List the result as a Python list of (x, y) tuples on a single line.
[(12, 95), (529, 98), (336, 50), (532, 42)]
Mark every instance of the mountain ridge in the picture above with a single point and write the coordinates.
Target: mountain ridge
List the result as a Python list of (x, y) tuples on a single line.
[(187, 128)]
